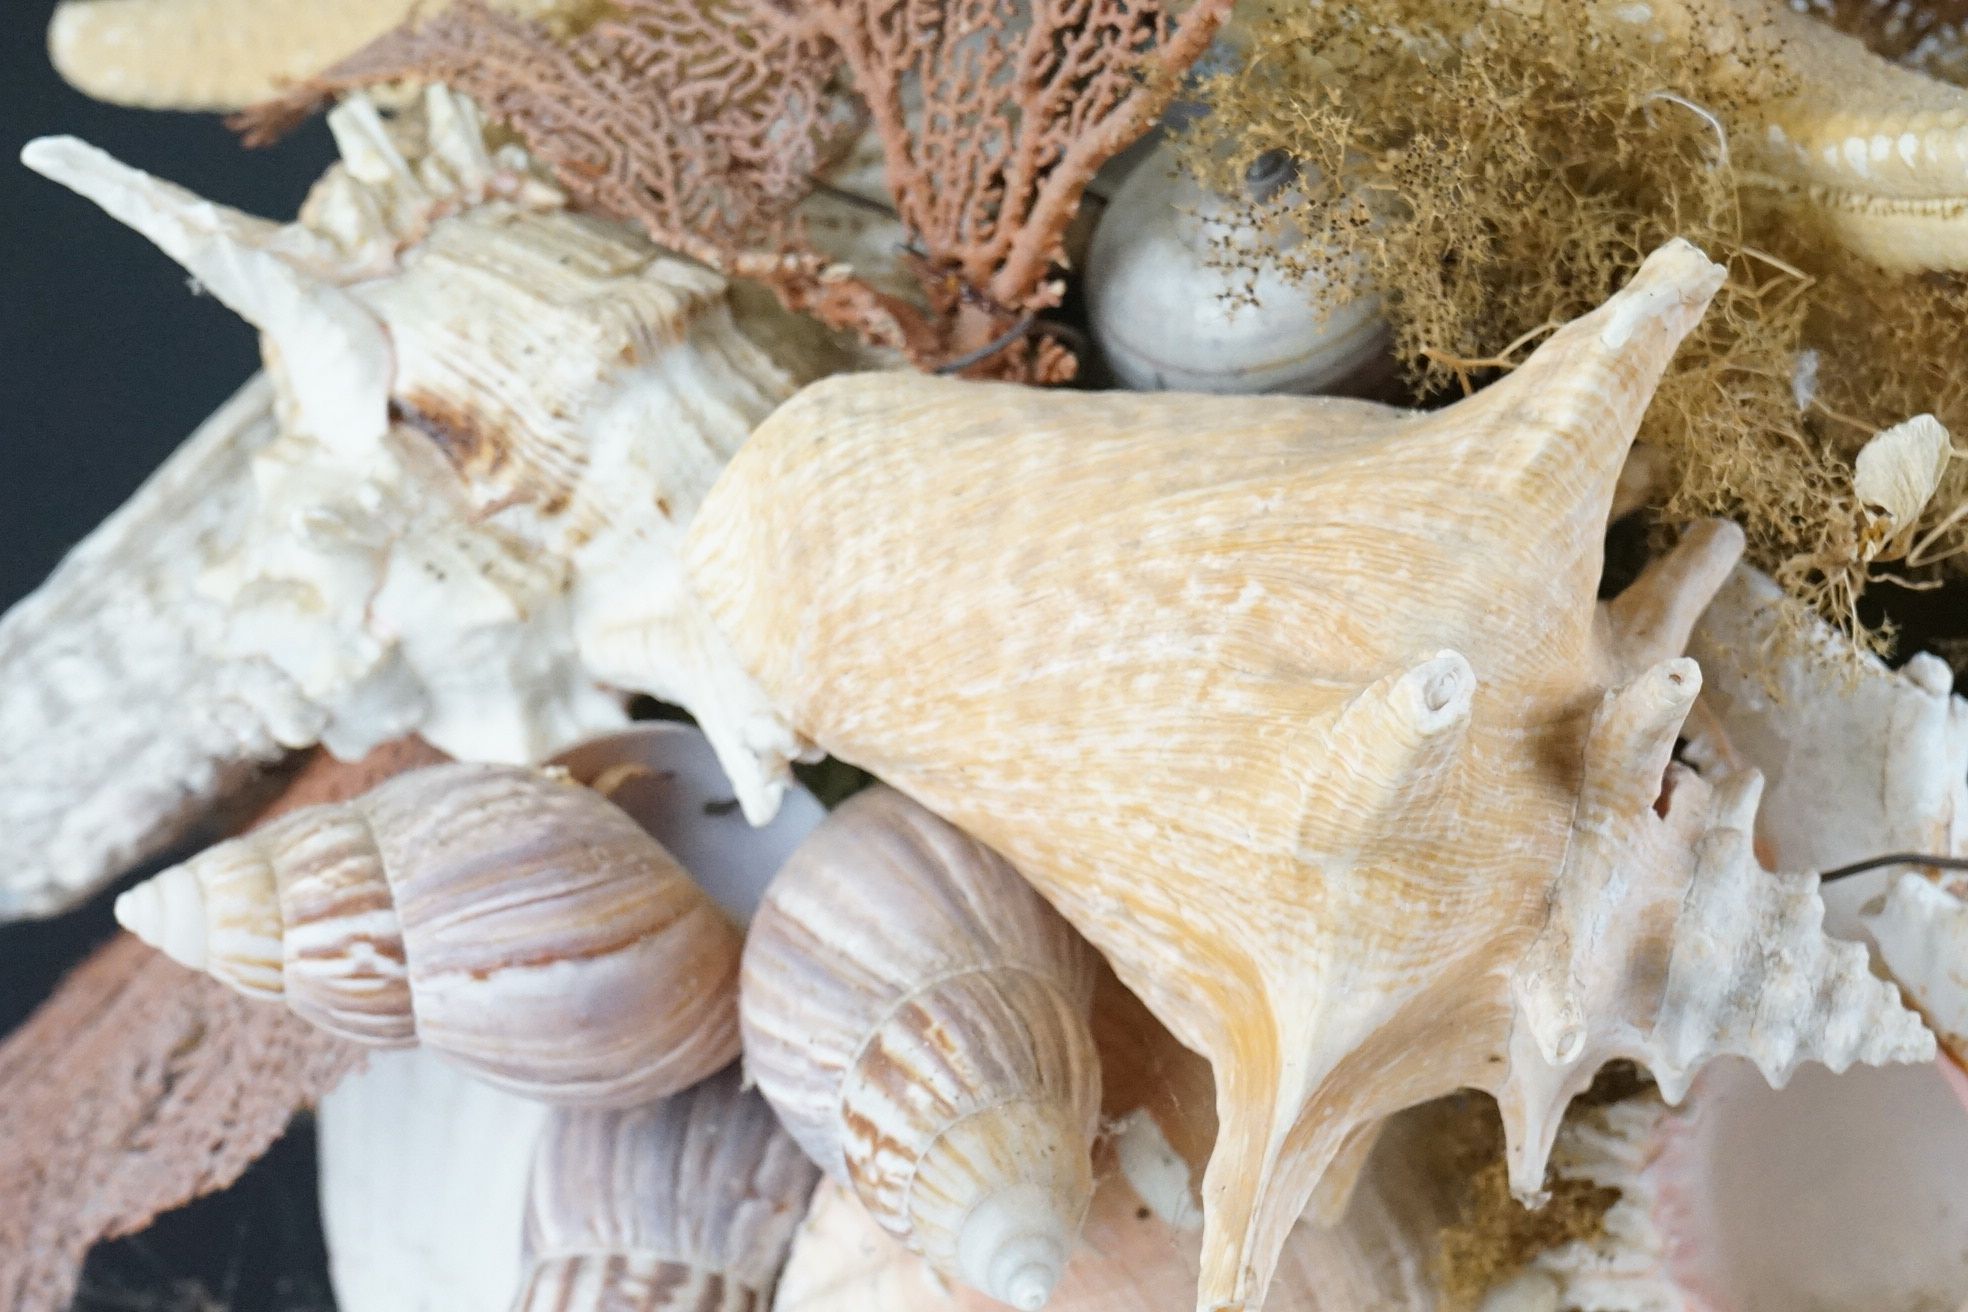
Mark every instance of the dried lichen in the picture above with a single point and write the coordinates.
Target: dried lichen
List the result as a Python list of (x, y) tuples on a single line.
[(1499, 169), (703, 121), (1494, 1236)]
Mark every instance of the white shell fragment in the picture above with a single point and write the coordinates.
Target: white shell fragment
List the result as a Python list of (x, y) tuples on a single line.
[(423, 1186), (1899, 469), (1171, 307), (495, 418)]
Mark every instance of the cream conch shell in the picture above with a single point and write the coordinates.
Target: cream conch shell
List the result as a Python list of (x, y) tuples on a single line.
[(1304, 713), (1860, 764), (1166, 312), (687, 1204), (492, 419), (219, 54), (515, 922), (918, 1018)]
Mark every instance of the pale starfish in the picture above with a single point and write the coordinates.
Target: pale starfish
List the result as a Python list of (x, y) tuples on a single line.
[(218, 54), (1878, 150)]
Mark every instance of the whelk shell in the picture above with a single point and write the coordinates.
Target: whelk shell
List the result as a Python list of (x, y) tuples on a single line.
[(515, 922), (491, 420), (918, 1017), (1304, 713)]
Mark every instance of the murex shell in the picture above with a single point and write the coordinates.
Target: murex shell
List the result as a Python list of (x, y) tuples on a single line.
[(919, 1018), (455, 512), (515, 922), (1303, 711)]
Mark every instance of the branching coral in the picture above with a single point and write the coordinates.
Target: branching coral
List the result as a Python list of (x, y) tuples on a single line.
[(704, 123), (1499, 168)]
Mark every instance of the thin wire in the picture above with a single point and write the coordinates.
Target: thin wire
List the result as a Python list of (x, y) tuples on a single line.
[(1895, 859), (989, 349)]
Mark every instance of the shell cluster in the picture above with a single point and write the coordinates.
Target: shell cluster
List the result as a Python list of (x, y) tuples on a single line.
[(1257, 779)]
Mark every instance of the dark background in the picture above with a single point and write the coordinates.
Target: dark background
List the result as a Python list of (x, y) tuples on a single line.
[(107, 362)]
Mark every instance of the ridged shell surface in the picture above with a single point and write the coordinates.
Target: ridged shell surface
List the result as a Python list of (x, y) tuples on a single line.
[(918, 1018), (1305, 713), (684, 1205), (517, 923)]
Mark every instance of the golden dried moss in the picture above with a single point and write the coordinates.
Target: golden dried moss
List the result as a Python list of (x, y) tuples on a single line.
[(1502, 168)]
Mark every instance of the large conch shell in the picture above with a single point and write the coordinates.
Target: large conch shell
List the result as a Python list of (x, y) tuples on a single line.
[(1859, 763), (513, 921), (686, 1204), (1304, 713), (491, 420), (918, 1017)]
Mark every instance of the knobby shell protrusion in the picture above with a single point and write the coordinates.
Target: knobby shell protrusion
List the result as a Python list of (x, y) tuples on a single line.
[(918, 1018), (1184, 292), (514, 922), (457, 515), (1304, 712), (686, 1203)]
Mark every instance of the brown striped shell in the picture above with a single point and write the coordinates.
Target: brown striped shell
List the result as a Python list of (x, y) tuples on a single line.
[(918, 1017), (686, 1203), (508, 918)]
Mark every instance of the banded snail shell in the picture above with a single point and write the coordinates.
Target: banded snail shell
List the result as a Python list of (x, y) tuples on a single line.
[(514, 921), (687, 1203), (918, 1017)]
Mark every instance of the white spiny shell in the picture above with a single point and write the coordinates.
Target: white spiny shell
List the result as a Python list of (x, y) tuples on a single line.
[(918, 1018), (111, 721), (688, 1203), (1840, 1193), (1304, 712), (1168, 310), (1860, 763), (496, 418), (423, 1186), (513, 921)]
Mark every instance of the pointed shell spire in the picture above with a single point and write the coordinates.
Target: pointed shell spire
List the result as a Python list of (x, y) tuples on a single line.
[(686, 1203), (918, 1018), (1303, 711), (516, 923)]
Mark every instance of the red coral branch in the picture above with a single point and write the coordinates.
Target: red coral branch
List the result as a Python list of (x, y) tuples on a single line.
[(704, 120)]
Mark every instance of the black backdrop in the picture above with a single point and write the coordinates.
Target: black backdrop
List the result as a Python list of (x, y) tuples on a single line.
[(107, 361)]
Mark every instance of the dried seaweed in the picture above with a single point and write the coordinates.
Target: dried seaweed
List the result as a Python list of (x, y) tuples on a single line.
[(703, 121), (1497, 172)]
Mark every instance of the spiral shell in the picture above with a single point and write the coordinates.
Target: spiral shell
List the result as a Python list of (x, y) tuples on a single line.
[(511, 920), (688, 1203), (918, 1018), (1169, 310)]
